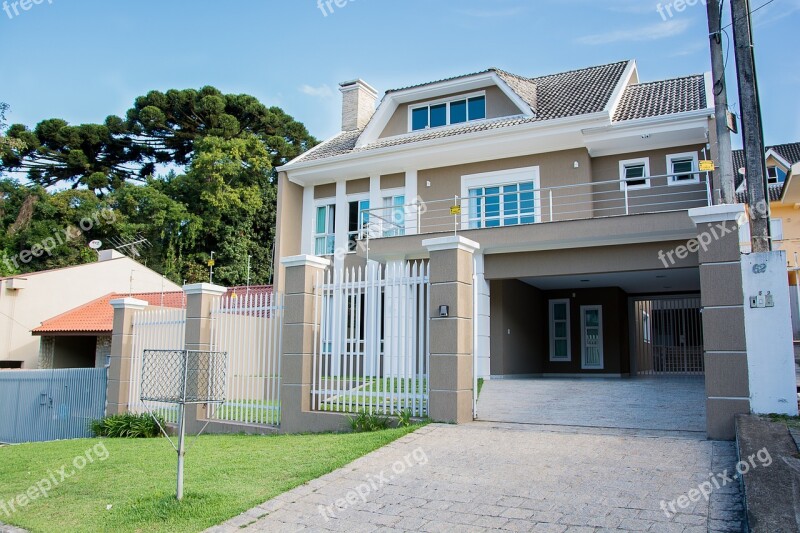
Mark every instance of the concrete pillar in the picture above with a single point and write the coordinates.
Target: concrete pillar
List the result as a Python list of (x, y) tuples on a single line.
[(199, 300), (297, 352), (119, 370), (451, 345), (722, 300)]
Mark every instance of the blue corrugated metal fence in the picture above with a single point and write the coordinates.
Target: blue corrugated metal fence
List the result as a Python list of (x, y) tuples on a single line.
[(43, 405)]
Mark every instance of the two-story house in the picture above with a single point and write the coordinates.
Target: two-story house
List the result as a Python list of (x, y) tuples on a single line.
[(573, 190)]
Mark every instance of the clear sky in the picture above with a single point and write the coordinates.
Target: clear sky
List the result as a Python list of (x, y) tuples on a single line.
[(82, 60)]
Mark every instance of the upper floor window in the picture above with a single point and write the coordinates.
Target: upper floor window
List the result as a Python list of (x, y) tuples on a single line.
[(394, 215), (357, 219), (325, 230), (634, 174), (502, 205), (447, 112), (682, 168), (772, 174)]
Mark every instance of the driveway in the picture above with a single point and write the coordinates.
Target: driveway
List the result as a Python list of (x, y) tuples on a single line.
[(515, 477), (656, 403)]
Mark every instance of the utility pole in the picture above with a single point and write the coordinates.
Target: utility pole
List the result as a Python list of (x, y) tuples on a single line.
[(725, 172), (752, 129)]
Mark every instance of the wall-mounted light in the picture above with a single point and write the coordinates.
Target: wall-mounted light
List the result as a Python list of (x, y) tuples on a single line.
[(444, 311), (576, 164)]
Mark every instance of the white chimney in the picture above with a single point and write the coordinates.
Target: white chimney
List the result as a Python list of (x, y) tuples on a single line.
[(358, 104)]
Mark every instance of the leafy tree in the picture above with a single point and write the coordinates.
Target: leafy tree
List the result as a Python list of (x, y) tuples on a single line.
[(6, 143)]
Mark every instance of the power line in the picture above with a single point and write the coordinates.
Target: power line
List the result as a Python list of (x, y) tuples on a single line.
[(765, 4)]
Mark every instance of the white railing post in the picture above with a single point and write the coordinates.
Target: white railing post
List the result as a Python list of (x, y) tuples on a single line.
[(626, 197), (551, 204)]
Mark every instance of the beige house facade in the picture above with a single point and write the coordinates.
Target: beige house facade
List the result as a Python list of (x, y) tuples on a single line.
[(559, 218)]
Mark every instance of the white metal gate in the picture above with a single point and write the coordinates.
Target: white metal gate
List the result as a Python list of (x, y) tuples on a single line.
[(248, 327), (667, 335), (371, 349), (155, 329)]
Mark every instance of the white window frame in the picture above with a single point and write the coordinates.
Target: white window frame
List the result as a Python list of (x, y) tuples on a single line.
[(632, 162), (498, 179), (359, 197), (323, 202), (448, 100), (552, 326), (774, 168), (393, 193), (695, 165)]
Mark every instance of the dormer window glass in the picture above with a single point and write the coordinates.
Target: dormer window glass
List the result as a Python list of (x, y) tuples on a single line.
[(444, 113)]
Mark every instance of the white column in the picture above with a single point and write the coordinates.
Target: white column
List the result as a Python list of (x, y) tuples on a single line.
[(341, 223), (482, 321), (375, 196), (411, 198), (307, 229)]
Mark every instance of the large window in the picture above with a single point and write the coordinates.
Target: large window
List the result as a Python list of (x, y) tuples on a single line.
[(634, 174), (502, 205), (560, 346), (682, 168), (443, 113), (325, 230), (357, 219)]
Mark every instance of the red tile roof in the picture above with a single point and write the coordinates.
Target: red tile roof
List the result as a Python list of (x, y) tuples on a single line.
[(97, 316)]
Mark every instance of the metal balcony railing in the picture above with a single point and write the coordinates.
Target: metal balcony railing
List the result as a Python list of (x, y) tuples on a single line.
[(513, 205)]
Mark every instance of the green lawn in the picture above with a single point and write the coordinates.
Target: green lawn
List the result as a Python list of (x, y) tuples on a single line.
[(225, 475)]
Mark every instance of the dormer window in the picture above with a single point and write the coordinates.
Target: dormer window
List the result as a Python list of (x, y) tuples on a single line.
[(447, 112), (772, 175)]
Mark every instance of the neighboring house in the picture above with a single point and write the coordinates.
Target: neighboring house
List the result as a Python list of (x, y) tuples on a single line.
[(783, 176), (575, 185), (784, 196), (27, 300), (81, 337)]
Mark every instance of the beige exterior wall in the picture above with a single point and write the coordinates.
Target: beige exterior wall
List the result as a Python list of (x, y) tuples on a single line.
[(609, 199), (51, 293), (393, 181), (325, 191), (289, 225), (497, 105)]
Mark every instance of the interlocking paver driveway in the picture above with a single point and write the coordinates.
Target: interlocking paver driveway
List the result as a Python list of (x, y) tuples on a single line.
[(486, 476)]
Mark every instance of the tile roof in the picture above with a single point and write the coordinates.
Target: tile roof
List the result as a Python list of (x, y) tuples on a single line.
[(562, 95), (789, 151), (97, 316), (775, 193), (662, 98)]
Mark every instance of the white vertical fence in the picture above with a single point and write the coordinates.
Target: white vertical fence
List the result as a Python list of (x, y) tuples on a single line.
[(155, 328), (248, 326), (371, 346)]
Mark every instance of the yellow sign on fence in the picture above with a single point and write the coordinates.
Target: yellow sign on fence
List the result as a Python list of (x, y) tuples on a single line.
[(706, 165)]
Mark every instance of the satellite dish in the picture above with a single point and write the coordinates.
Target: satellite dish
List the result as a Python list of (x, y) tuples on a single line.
[(96, 245)]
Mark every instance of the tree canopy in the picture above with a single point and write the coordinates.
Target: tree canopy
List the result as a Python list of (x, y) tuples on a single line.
[(216, 191)]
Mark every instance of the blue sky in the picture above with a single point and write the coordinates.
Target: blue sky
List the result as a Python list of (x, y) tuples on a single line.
[(82, 60)]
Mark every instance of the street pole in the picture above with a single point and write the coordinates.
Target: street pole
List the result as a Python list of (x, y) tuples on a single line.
[(725, 172), (752, 129)]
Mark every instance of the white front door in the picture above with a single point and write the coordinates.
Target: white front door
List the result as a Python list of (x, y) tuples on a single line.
[(592, 337)]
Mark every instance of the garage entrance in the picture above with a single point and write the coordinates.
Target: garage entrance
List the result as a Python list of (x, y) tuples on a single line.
[(666, 336), (665, 403)]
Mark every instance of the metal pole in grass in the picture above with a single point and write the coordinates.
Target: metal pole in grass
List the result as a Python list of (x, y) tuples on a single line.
[(165, 379)]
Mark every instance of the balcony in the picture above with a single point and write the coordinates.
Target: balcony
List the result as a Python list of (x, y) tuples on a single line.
[(516, 205)]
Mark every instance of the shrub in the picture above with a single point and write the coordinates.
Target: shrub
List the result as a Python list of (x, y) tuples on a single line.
[(404, 418), (127, 426), (364, 422)]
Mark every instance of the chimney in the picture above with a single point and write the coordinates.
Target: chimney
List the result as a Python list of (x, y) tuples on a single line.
[(358, 104)]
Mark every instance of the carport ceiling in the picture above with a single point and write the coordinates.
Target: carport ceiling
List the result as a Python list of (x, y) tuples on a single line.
[(645, 281)]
